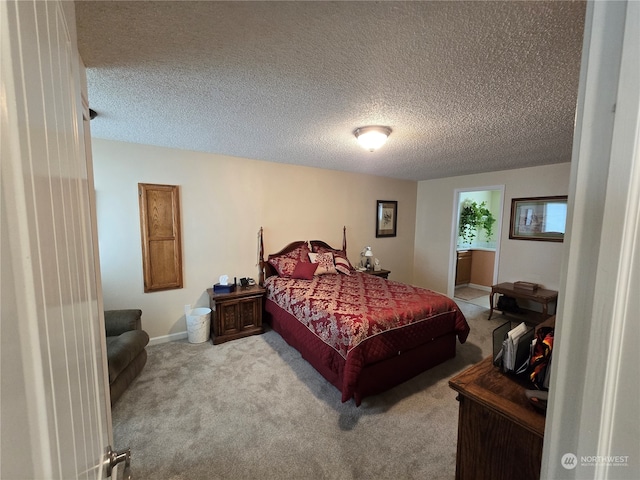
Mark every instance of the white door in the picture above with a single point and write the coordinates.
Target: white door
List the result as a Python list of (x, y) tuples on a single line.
[(55, 415)]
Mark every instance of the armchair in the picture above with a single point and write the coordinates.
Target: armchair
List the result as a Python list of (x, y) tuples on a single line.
[(126, 354)]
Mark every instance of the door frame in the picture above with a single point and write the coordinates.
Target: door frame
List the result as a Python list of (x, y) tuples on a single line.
[(454, 233)]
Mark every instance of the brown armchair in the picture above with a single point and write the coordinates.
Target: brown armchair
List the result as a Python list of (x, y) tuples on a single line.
[(126, 354)]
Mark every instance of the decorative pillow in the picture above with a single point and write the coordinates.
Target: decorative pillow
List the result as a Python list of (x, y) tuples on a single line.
[(325, 263), (304, 270), (336, 254), (285, 264), (342, 265)]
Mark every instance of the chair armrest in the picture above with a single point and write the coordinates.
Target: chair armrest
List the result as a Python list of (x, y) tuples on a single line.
[(117, 322)]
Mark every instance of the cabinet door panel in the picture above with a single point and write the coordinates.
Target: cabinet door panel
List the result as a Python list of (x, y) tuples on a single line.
[(228, 318), (491, 446), (463, 268), (250, 313), (247, 313)]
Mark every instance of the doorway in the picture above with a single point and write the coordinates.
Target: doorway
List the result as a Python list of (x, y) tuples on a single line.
[(475, 251)]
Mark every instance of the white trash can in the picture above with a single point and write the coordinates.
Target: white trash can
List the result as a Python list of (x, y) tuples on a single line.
[(198, 325)]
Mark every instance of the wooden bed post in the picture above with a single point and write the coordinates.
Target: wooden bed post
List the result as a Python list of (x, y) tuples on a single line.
[(260, 259), (344, 239)]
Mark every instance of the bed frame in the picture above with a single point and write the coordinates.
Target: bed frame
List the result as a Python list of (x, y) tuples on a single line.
[(374, 378)]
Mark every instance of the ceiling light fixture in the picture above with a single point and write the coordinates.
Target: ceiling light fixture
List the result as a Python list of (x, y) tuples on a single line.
[(373, 137)]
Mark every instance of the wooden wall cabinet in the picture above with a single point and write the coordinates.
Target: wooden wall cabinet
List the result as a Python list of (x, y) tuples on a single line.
[(237, 314), (500, 434), (161, 236)]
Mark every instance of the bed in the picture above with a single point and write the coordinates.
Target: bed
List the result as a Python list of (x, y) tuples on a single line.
[(363, 333)]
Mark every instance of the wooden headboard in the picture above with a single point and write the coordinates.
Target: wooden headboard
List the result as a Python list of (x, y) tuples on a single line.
[(320, 243), (265, 269)]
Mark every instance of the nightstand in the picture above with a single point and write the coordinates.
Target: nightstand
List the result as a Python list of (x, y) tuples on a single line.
[(378, 273), (237, 314)]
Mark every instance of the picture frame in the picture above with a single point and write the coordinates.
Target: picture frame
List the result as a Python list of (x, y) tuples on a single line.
[(386, 218), (538, 218)]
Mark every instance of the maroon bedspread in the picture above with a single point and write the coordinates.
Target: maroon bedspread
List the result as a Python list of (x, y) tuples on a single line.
[(365, 318)]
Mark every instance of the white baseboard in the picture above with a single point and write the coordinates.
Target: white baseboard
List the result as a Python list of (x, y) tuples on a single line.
[(173, 337)]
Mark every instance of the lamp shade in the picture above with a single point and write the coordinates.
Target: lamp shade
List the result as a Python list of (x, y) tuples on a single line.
[(373, 137), (366, 252)]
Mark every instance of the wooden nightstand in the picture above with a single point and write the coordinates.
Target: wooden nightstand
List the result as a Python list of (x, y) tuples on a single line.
[(236, 314), (378, 273)]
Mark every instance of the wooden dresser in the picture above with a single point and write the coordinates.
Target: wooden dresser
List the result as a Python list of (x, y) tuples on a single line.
[(236, 314), (500, 434)]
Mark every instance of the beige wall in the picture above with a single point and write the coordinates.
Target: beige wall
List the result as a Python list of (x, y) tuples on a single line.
[(538, 262), (224, 201)]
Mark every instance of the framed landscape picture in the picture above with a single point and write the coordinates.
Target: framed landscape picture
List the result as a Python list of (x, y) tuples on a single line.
[(386, 218), (538, 218)]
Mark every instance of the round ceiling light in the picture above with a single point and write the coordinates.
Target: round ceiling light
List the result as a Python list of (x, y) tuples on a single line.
[(373, 137)]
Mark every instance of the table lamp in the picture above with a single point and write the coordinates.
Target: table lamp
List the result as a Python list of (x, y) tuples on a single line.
[(366, 256)]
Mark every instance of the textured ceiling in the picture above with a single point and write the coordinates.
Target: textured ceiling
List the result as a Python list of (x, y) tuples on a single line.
[(465, 86)]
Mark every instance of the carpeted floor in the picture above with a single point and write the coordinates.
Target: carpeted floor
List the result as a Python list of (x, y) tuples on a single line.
[(254, 409)]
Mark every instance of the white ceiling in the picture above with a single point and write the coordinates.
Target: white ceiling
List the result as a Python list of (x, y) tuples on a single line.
[(465, 86)]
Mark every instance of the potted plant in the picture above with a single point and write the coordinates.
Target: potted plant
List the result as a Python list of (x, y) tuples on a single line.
[(474, 217)]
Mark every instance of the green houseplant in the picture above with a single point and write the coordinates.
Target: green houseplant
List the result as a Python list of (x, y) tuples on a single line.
[(473, 218)]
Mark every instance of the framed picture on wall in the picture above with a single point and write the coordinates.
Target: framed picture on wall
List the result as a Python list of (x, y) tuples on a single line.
[(538, 218), (386, 218)]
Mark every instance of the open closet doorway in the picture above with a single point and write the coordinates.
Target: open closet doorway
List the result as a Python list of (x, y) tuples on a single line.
[(475, 243)]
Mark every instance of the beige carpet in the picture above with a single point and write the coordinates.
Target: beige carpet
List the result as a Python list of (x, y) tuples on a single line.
[(254, 409)]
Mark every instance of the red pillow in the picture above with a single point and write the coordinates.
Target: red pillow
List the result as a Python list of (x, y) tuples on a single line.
[(304, 270)]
